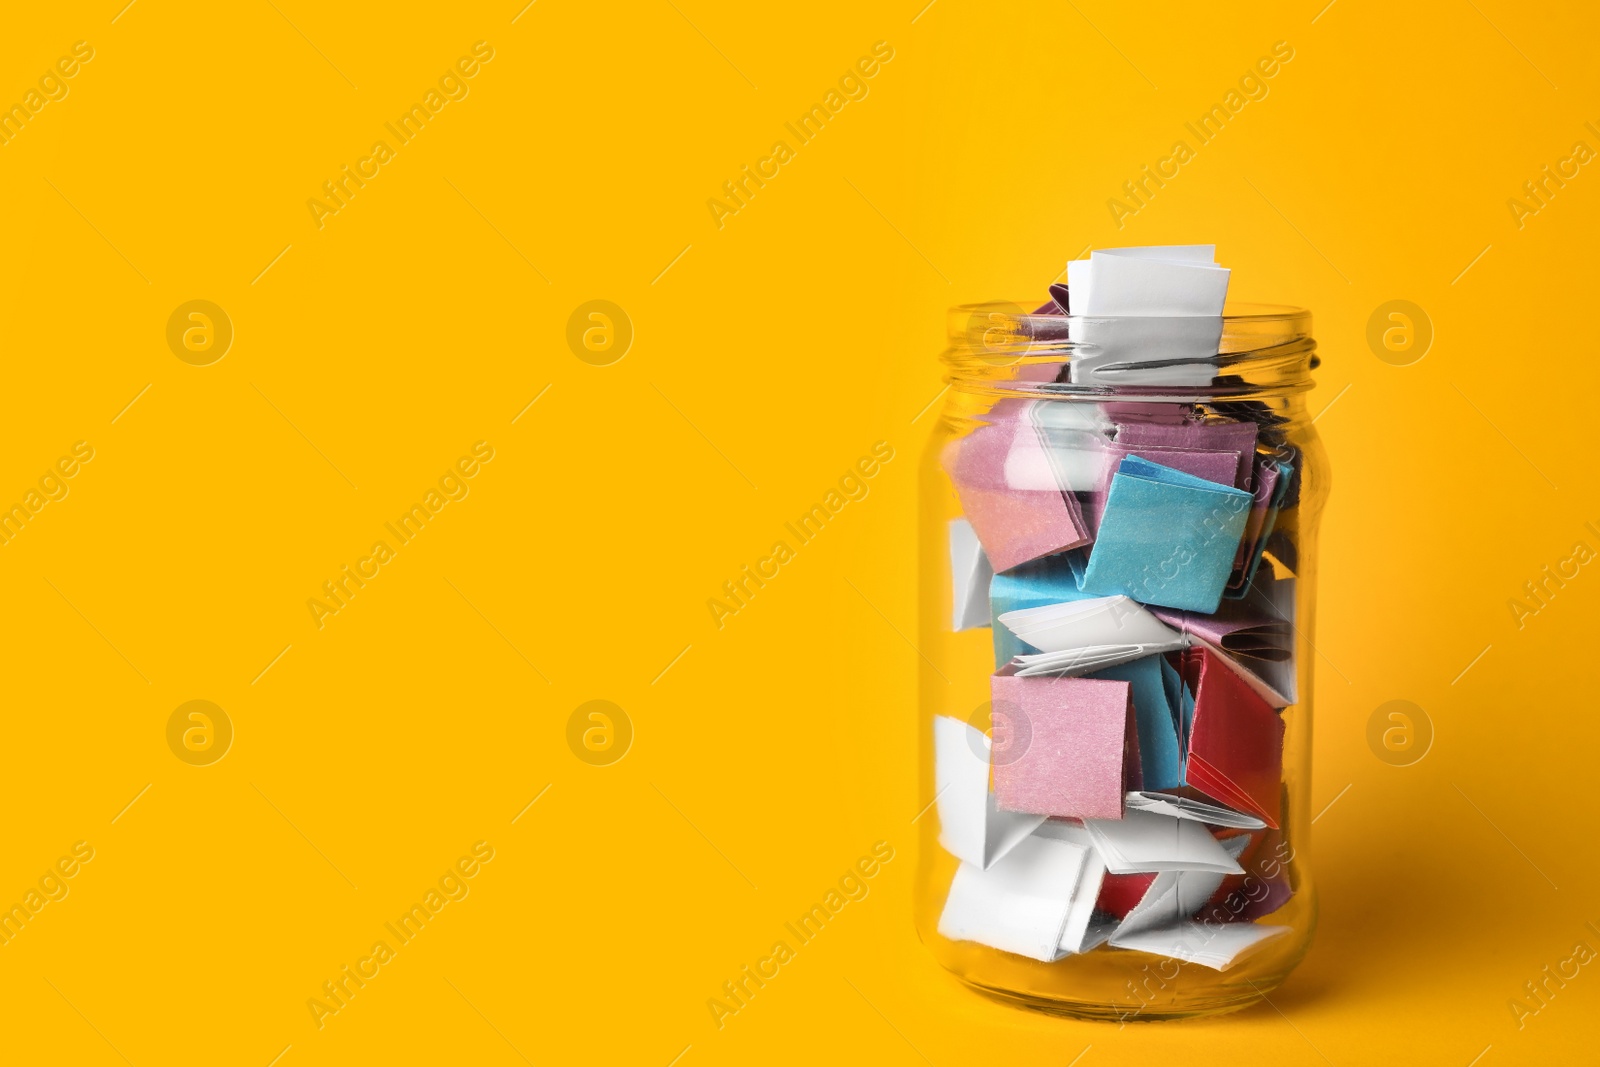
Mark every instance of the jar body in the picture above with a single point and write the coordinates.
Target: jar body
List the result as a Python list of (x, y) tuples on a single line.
[(991, 478)]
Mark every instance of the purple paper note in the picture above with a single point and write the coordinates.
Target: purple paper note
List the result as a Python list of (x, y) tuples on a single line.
[(1254, 636), (1122, 412), (1267, 476), (1237, 627), (1235, 437), (1219, 467)]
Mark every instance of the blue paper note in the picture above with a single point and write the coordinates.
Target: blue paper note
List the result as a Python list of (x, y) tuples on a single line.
[(1166, 537), (1186, 717), (1279, 494), (1172, 684), (1032, 585), (1156, 718)]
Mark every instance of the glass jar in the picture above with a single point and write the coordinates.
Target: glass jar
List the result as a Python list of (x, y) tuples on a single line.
[(1145, 520)]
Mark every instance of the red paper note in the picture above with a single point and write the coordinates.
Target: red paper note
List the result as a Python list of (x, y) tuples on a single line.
[(1236, 742), (1121, 893)]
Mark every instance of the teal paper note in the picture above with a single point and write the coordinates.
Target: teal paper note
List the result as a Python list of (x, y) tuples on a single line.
[(1186, 714), (1157, 720), (1166, 537), (1032, 585), (1172, 684)]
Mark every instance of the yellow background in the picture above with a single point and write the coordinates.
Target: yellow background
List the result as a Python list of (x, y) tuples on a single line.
[(769, 355)]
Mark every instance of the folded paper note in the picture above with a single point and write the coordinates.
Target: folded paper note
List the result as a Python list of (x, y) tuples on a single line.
[(1158, 280), (1073, 436), (1273, 481), (1174, 896), (1214, 945), (1081, 660), (1221, 468), (970, 575), (1149, 899), (1145, 841), (1155, 712), (1121, 893), (1010, 493), (1165, 538), (1022, 904), (1147, 315), (1150, 350), (1178, 699), (1110, 620), (1264, 887), (1212, 436), (1082, 745), (1032, 585), (1257, 632), (1060, 301), (1187, 808), (1236, 741), (1185, 713), (1268, 481), (1168, 413), (1082, 931), (971, 827), (1081, 636)]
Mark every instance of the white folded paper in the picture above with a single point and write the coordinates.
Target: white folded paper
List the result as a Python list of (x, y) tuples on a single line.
[(1081, 660), (1143, 841), (970, 574), (1198, 810), (1106, 620), (1150, 280), (1082, 931), (1074, 437), (1214, 945), (971, 827), (1029, 467), (1172, 898), (1175, 896), (1022, 904), (1163, 921), (1159, 306)]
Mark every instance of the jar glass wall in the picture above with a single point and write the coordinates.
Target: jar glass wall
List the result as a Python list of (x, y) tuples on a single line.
[(1172, 504)]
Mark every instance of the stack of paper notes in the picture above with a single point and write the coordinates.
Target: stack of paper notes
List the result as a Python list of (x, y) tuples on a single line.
[(1129, 561)]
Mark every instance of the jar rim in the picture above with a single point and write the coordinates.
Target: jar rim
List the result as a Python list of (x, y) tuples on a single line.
[(1251, 350)]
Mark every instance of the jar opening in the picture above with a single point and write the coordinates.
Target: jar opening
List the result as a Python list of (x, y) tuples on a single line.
[(1251, 351)]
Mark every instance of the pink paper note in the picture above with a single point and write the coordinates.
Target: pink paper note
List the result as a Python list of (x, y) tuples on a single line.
[(1010, 493), (1081, 749)]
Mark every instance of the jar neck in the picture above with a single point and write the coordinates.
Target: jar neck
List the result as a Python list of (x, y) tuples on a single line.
[(1253, 354)]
